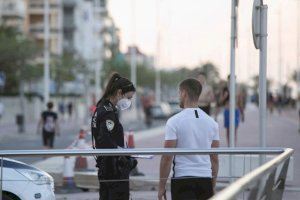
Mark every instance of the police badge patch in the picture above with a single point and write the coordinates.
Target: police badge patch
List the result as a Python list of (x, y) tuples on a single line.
[(110, 125)]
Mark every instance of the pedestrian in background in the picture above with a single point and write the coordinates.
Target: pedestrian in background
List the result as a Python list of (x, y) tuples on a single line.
[(50, 127), (107, 132), (206, 96), (70, 109), (225, 102), (194, 176), (1, 110), (61, 109), (147, 103)]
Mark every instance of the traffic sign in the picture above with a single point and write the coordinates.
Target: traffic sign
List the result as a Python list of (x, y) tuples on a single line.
[(256, 22)]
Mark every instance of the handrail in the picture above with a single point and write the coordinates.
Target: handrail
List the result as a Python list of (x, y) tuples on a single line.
[(229, 193), (242, 183), (139, 151)]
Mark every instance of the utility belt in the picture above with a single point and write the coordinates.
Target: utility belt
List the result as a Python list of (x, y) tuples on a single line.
[(115, 167)]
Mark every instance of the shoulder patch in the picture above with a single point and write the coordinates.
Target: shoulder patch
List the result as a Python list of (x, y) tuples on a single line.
[(108, 108), (110, 125)]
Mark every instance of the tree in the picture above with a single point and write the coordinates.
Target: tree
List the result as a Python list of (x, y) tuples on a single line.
[(15, 53), (65, 68), (256, 83)]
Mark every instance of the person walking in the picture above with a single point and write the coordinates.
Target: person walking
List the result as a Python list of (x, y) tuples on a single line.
[(225, 96), (207, 96), (194, 176), (107, 132), (1, 110), (50, 126), (70, 110)]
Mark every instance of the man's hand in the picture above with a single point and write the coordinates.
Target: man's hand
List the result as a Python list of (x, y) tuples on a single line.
[(162, 194)]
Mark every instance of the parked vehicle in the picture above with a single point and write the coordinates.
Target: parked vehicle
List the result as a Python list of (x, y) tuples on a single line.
[(175, 108), (24, 182)]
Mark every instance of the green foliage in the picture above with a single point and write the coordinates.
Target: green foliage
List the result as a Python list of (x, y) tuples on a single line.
[(65, 68), (169, 78), (15, 53)]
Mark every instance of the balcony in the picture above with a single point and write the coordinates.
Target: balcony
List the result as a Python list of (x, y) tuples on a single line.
[(37, 30), (37, 7), (13, 8)]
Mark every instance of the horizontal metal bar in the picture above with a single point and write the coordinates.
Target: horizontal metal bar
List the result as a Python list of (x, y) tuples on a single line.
[(242, 183), (139, 151)]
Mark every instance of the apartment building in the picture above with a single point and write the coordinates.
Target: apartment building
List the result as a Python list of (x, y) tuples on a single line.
[(13, 13), (34, 24), (88, 29)]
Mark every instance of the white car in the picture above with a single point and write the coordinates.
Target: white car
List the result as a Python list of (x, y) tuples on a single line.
[(24, 182)]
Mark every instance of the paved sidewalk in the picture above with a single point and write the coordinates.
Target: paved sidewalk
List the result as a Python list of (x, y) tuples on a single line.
[(135, 195)]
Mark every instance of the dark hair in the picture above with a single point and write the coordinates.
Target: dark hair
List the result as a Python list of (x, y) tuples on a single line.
[(115, 83), (193, 88), (50, 105)]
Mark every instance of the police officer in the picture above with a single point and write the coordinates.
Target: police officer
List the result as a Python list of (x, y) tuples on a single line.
[(107, 132)]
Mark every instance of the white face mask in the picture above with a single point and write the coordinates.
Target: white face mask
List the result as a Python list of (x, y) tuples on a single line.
[(124, 104)]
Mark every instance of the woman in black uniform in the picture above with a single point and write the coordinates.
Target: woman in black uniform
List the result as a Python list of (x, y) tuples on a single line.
[(107, 132)]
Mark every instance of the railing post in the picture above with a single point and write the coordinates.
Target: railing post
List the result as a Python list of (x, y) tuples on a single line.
[(1, 182), (280, 183), (254, 191), (268, 189)]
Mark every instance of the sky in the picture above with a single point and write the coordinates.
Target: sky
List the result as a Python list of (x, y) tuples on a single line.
[(197, 31)]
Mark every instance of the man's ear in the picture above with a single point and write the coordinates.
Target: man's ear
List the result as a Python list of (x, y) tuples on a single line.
[(183, 93)]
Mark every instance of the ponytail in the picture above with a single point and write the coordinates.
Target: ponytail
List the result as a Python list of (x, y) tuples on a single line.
[(115, 83)]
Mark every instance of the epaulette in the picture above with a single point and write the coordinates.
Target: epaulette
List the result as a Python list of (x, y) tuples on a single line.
[(108, 108)]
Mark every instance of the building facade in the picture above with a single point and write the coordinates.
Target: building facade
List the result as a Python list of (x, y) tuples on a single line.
[(34, 24), (141, 58), (13, 13)]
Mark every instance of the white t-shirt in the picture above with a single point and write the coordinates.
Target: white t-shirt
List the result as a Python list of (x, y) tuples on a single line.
[(192, 128)]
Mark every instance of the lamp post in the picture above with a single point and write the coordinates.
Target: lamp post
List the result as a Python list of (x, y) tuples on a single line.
[(232, 89), (46, 52), (260, 34)]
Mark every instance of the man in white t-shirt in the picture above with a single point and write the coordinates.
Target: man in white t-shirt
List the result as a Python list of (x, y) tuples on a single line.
[(194, 176)]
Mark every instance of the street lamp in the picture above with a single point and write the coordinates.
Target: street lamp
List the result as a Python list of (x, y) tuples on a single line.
[(157, 72), (232, 89), (46, 52), (260, 33)]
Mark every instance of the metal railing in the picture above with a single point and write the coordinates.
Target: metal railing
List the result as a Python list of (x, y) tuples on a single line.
[(271, 188)]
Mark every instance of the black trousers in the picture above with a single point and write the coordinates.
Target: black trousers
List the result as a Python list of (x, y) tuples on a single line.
[(191, 188), (48, 138), (113, 190)]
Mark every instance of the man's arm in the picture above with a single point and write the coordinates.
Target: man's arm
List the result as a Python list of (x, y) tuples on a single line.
[(214, 162), (165, 168)]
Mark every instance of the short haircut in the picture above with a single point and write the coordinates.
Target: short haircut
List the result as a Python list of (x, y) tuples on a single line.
[(50, 105), (193, 88)]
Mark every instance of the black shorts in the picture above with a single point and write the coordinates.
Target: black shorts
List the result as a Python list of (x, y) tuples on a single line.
[(48, 138), (191, 188)]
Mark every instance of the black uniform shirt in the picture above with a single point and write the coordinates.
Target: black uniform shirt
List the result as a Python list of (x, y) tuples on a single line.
[(106, 128)]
